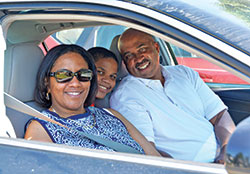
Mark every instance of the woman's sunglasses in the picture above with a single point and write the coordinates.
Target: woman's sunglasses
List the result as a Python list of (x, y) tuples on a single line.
[(64, 75)]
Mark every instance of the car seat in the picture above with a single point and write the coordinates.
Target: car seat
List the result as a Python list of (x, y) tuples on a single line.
[(21, 65), (122, 68)]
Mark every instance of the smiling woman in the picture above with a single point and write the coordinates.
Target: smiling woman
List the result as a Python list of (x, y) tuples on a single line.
[(66, 86)]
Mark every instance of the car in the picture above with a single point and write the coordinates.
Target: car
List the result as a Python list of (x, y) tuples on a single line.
[(207, 30)]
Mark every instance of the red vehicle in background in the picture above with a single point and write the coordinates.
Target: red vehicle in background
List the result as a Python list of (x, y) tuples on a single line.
[(209, 72), (48, 43)]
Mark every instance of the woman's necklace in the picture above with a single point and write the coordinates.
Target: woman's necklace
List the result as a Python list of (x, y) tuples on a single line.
[(79, 124)]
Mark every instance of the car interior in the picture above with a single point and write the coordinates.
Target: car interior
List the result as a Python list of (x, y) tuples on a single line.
[(23, 57), (21, 64)]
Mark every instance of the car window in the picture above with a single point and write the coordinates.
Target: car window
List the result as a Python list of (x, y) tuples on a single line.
[(210, 73), (63, 36), (105, 34), (100, 36), (86, 37)]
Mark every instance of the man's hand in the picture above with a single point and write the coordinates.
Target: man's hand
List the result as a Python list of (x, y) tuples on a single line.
[(164, 154), (221, 157), (223, 128)]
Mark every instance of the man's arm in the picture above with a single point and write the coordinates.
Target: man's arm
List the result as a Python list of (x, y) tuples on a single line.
[(213, 105), (223, 128)]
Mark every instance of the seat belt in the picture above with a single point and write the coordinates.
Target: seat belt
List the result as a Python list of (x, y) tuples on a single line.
[(16, 104)]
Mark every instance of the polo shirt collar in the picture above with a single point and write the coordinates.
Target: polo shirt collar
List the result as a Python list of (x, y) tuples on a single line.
[(151, 83), (166, 74)]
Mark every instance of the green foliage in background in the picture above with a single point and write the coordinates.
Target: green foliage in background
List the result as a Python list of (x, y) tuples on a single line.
[(239, 8)]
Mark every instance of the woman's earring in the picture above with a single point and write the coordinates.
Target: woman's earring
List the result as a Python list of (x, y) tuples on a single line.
[(47, 96)]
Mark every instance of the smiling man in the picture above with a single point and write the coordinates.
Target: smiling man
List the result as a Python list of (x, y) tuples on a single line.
[(171, 106), (134, 50)]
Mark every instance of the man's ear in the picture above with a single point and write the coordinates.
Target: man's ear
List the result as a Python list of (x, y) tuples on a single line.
[(157, 47)]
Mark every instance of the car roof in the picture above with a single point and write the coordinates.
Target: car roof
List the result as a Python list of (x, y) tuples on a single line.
[(226, 21), (209, 16)]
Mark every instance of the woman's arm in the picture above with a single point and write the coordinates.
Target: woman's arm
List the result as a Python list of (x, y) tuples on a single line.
[(148, 148), (35, 131)]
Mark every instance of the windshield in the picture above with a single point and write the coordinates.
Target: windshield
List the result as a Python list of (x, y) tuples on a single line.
[(228, 20)]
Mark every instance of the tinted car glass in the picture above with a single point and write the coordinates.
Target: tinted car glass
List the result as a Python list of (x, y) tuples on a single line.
[(91, 36), (235, 12)]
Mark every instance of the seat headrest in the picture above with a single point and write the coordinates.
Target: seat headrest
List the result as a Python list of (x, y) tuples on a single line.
[(22, 62), (114, 48)]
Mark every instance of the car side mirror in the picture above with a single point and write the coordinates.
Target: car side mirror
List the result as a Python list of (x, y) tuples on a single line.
[(238, 149)]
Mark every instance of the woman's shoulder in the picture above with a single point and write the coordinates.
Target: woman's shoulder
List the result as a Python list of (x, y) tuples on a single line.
[(98, 109), (93, 109)]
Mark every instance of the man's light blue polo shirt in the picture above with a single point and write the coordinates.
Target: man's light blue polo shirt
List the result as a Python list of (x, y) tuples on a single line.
[(175, 117)]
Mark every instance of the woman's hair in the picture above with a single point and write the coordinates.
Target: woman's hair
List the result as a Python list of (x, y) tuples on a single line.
[(100, 52), (45, 69)]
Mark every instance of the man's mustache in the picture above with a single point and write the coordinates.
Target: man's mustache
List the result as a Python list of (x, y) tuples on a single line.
[(140, 63)]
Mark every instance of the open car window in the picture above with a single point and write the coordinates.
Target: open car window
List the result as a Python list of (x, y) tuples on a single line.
[(90, 36), (211, 74)]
